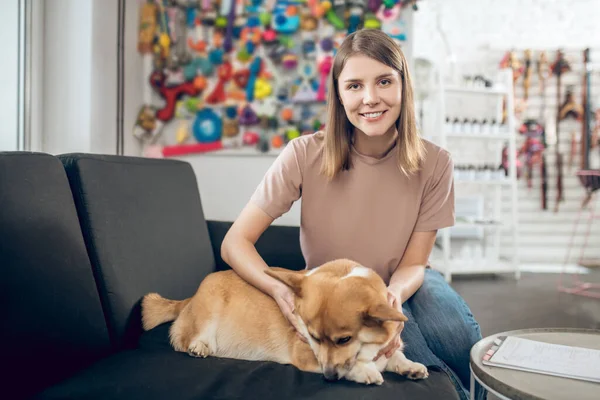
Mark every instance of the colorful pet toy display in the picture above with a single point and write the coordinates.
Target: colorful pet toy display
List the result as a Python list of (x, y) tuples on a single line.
[(245, 73)]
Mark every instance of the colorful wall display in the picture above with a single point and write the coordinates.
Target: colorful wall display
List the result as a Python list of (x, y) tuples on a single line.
[(245, 74)]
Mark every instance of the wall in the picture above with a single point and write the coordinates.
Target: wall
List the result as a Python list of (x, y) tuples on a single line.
[(9, 32), (67, 76), (226, 183), (80, 99), (80, 76), (474, 29)]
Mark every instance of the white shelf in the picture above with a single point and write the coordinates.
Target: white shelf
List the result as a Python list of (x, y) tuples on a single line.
[(491, 182), (469, 135), (464, 224), (480, 266), (495, 91), (492, 190)]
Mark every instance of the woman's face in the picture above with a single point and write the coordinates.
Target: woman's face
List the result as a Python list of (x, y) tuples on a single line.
[(371, 93)]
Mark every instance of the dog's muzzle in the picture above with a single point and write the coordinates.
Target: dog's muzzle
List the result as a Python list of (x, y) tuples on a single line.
[(330, 374)]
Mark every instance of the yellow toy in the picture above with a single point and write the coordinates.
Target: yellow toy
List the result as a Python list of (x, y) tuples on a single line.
[(147, 27)]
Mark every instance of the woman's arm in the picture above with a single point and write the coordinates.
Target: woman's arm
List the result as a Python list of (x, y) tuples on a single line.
[(409, 274), (436, 211), (408, 278), (239, 252)]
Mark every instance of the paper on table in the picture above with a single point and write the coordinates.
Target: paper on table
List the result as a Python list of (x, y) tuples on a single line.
[(552, 359)]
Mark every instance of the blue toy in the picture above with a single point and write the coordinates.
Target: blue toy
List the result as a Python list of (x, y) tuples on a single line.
[(207, 127)]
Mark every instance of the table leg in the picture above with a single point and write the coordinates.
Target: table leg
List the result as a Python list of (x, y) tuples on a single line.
[(472, 387)]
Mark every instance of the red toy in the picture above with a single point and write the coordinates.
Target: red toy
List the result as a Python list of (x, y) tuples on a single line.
[(171, 94), (225, 73)]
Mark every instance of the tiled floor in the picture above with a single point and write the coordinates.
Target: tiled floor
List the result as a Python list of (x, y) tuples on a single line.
[(501, 303)]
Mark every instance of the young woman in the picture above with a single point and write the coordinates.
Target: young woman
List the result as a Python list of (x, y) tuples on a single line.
[(372, 191)]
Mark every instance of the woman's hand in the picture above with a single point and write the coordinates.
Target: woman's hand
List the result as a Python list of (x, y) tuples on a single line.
[(394, 345), (284, 297)]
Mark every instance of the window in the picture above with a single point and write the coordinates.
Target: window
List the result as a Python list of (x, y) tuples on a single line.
[(10, 132)]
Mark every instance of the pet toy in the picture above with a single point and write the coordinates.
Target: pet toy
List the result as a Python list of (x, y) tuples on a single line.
[(170, 94), (207, 126)]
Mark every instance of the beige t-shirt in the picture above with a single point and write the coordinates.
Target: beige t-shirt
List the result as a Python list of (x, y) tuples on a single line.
[(367, 213)]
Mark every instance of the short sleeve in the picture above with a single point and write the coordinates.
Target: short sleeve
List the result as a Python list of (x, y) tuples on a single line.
[(282, 184), (437, 204)]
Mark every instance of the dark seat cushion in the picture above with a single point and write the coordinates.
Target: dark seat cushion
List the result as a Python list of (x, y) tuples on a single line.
[(144, 227), (156, 372), (52, 319)]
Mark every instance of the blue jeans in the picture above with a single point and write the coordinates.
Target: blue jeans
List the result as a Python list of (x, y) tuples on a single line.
[(441, 330)]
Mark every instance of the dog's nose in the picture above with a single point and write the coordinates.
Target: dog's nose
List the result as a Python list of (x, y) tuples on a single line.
[(330, 374)]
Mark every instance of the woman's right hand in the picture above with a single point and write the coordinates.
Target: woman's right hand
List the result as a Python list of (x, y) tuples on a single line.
[(284, 297)]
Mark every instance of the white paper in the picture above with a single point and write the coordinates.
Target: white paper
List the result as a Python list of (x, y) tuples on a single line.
[(552, 359)]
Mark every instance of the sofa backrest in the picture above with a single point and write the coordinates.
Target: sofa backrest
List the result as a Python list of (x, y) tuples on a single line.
[(52, 319), (144, 228), (279, 245)]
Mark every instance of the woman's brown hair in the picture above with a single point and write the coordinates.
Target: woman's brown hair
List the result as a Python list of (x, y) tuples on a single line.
[(379, 46)]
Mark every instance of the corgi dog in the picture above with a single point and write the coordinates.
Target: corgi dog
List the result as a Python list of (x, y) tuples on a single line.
[(342, 308)]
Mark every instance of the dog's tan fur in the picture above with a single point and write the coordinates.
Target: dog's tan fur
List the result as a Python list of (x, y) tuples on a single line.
[(227, 317)]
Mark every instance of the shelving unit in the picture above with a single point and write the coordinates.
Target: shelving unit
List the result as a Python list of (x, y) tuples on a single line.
[(479, 196)]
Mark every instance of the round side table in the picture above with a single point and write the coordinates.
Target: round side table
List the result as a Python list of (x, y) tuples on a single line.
[(520, 385)]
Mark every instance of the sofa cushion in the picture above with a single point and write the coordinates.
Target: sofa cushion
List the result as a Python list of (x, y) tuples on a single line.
[(52, 319), (144, 227), (156, 372), (279, 245)]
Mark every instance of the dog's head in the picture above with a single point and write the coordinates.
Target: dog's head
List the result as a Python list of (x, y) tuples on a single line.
[(345, 313)]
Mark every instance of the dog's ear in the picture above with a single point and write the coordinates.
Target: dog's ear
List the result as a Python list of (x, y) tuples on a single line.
[(291, 278), (382, 312)]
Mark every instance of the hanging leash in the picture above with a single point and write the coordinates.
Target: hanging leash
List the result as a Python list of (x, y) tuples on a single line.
[(586, 132), (542, 71), (559, 67)]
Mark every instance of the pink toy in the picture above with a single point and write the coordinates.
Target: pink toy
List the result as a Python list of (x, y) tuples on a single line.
[(153, 151), (324, 69), (195, 148), (250, 138)]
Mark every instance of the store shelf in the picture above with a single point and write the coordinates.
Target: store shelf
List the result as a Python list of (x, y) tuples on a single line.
[(241, 152), (485, 182), (470, 135), (495, 91), (495, 188), (480, 266), (496, 225)]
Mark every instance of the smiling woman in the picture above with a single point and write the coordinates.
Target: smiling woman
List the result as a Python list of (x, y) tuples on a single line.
[(372, 191), (372, 103)]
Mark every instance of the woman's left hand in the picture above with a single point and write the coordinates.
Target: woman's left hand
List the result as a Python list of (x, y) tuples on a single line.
[(394, 345)]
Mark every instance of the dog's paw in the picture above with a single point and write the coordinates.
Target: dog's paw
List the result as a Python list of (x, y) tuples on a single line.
[(403, 366), (365, 373), (416, 371), (198, 349)]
